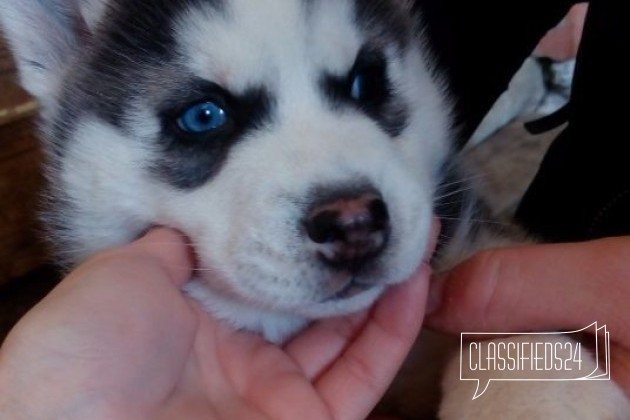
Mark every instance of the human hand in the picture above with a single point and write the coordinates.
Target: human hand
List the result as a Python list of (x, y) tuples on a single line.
[(117, 339), (541, 288)]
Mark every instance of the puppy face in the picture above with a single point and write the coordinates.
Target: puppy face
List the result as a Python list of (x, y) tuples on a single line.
[(296, 143)]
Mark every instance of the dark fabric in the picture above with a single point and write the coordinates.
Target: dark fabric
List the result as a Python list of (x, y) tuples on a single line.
[(480, 44), (582, 190)]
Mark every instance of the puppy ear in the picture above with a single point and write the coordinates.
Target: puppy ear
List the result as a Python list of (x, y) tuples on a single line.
[(45, 36), (92, 11)]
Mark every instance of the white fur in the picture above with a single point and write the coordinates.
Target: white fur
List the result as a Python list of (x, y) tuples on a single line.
[(92, 11), (107, 213)]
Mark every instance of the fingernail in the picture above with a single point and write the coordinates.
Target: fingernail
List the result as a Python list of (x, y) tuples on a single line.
[(436, 293)]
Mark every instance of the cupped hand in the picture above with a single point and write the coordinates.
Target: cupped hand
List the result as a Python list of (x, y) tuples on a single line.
[(117, 339)]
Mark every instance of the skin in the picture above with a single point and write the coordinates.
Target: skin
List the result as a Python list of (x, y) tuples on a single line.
[(100, 346), (541, 288), (117, 339)]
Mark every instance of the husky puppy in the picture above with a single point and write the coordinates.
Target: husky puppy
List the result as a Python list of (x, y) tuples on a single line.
[(299, 144)]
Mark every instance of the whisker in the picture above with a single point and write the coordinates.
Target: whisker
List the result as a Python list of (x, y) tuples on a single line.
[(464, 180), (450, 194), (485, 221), (448, 203)]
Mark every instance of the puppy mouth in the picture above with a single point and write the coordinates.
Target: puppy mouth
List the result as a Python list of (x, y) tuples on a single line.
[(353, 288)]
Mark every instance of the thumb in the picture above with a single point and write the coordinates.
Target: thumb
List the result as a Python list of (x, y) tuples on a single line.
[(536, 287), (170, 248)]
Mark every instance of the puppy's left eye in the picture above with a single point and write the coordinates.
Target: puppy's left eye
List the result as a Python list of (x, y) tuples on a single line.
[(357, 92), (368, 83), (203, 118)]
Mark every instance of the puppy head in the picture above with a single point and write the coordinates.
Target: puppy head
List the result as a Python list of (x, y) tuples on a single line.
[(297, 143)]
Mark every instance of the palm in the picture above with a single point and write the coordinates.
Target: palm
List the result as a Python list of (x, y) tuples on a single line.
[(327, 372)]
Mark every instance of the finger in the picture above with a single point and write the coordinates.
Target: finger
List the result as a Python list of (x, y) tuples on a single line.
[(360, 376), (436, 227), (322, 343), (538, 287), (168, 248), (257, 372)]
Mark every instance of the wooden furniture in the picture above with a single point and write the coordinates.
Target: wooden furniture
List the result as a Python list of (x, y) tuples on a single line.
[(15, 103), (21, 176), (21, 181)]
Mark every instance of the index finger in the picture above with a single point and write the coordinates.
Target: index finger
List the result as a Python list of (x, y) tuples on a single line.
[(359, 377)]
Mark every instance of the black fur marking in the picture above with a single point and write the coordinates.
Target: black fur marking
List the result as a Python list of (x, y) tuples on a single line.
[(116, 61), (381, 102), (385, 20), (146, 26), (140, 36), (189, 161)]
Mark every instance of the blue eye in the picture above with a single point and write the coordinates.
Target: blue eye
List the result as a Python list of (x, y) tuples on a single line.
[(369, 85), (357, 90), (202, 118)]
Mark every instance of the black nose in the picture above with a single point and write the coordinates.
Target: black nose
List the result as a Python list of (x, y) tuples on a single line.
[(349, 231)]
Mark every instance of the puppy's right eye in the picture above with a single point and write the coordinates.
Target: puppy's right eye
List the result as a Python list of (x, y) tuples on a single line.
[(203, 118)]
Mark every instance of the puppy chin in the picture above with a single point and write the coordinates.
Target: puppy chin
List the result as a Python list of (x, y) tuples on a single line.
[(274, 322), (352, 301), (345, 298)]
